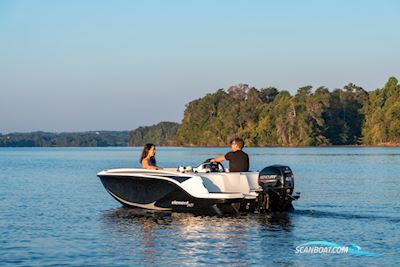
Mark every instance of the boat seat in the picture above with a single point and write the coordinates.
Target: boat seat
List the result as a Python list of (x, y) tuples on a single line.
[(226, 182)]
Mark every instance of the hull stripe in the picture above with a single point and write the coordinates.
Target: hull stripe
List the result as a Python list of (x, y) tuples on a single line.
[(151, 206)]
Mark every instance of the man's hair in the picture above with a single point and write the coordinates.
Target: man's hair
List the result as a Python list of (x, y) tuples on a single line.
[(238, 141)]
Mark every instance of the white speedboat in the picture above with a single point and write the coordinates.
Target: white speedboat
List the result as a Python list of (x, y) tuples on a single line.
[(207, 190)]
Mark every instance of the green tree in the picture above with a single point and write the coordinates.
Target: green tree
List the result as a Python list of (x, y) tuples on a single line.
[(163, 133), (381, 113)]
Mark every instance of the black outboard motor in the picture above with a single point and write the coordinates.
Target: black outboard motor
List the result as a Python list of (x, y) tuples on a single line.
[(277, 182)]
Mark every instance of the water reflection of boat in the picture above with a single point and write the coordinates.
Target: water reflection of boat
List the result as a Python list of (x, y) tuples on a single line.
[(208, 190), (123, 217), (186, 239)]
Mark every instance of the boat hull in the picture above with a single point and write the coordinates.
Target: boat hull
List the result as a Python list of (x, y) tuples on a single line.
[(164, 195), (219, 193)]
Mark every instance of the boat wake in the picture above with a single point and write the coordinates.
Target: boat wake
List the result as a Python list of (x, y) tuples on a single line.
[(344, 216)]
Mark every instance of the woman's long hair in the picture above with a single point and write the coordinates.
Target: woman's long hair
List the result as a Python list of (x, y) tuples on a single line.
[(145, 152)]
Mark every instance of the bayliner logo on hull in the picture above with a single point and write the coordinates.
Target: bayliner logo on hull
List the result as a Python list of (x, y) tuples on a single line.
[(182, 203)]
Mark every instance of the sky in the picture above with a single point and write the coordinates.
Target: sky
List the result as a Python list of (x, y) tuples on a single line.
[(116, 65)]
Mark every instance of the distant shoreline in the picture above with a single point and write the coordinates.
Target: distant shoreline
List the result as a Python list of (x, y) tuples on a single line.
[(266, 117), (119, 139), (167, 146)]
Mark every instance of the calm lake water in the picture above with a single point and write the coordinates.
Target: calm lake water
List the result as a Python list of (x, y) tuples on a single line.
[(55, 211)]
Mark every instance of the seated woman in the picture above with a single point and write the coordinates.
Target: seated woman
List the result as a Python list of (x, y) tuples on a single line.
[(148, 158)]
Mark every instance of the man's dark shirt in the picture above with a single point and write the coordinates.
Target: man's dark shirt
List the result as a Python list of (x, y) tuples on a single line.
[(238, 161)]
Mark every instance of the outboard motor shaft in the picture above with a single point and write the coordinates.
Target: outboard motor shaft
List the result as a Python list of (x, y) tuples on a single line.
[(277, 182)]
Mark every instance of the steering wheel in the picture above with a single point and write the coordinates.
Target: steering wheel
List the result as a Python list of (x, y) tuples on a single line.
[(215, 166)]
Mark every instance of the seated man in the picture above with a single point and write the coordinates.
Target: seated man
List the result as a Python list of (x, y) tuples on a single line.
[(238, 160)]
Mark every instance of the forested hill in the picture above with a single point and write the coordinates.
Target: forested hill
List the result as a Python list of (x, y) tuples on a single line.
[(78, 139), (263, 117), (312, 117), (163, 133)]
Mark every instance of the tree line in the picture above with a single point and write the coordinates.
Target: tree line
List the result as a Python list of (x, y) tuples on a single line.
[(163, 133), (311, 117), (78, 139), (262, 117)]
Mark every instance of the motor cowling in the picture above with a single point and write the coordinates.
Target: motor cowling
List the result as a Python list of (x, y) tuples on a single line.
[(277, 182), (276, 176)]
